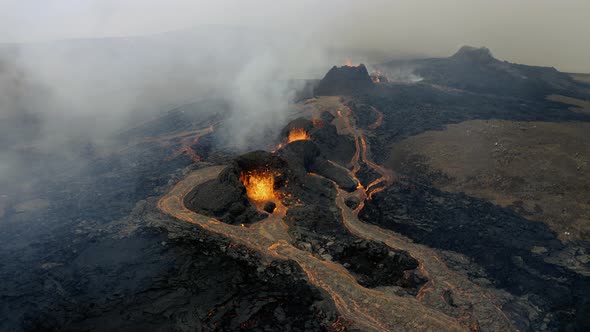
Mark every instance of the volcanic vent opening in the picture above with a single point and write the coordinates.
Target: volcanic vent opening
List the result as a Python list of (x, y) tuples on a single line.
[(298, 134), (259, 185)]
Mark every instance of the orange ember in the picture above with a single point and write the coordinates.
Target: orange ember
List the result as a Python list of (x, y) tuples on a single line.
[(297, 134), (259, 185)]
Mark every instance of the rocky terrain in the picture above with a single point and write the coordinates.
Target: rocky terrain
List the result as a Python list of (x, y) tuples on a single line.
[(437, 205), (476, 70), (538, 169)]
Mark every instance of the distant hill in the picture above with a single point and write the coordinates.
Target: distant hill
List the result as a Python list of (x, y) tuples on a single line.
[(477, 70)]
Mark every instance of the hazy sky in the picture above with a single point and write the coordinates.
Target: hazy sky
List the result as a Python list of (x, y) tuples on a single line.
[(543, 32)]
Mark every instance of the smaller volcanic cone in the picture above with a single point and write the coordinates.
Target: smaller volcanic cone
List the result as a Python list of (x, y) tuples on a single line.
[(345, 80), (242, 191)]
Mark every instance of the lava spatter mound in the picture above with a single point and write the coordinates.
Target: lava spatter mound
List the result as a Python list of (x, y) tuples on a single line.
[(321, 131), (227, 197), (256, 182), (345, 80), (305, 156)]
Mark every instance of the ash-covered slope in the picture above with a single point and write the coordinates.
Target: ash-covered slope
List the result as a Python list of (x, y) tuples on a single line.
[(345, 80), (477, 70)]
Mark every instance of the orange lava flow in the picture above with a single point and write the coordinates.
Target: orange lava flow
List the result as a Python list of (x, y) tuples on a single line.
[(387, 175), (259, 185), (298, 134), (481, 300), (366, 309), (187, 143), (377, 122)]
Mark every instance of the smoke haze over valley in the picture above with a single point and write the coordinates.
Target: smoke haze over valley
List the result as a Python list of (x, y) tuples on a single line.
[(87, 70)]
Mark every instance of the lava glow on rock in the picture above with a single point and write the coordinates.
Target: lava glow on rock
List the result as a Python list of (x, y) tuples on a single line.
[(298, 134), (259, 185)]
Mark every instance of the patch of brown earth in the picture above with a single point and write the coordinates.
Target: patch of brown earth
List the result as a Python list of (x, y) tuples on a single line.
[(584, 78), (579, 105), (539, 169)]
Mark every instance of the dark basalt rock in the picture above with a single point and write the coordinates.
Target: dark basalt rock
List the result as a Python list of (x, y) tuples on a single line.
[(481, 55), (270, 207), (301, 156), (305, 156), (337, 148), (318, 228), (375, 264), (366, 174), (224, 200), (495, 238), (301, 123), (334, 147), (328, 170), (345, 80), (364, 116), (476, 70), (352, 203), (194, 283), (327, 117)]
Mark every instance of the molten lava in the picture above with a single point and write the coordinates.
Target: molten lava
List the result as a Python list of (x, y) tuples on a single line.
[(259, 185), (298, 134)]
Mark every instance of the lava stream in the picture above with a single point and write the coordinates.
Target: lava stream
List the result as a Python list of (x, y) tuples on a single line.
[(440, 277), (370, 309)]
